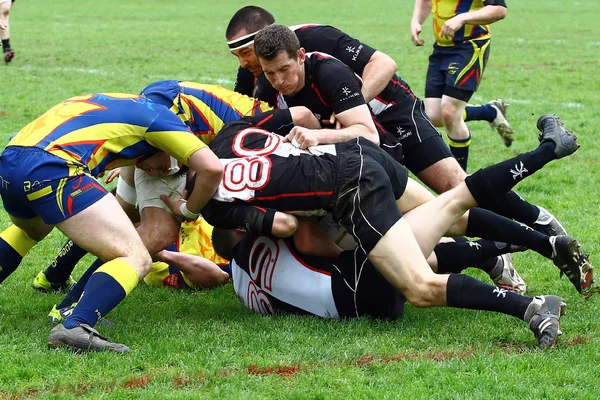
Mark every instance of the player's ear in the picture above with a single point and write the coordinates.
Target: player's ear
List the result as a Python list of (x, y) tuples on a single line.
[(301, 55)]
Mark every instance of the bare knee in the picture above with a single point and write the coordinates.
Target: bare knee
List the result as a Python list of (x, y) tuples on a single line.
[(443, 175), (426, 292)]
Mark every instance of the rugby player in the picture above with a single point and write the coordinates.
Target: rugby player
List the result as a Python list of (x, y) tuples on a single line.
[(367, 191), (48, 179), (399, 110)]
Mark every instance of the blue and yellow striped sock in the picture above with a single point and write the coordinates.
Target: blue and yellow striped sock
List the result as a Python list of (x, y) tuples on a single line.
[(107, 287), (14, 244), (460, 150)]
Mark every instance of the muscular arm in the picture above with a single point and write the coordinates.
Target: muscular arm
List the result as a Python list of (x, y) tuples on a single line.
[(209, 173), (254, 219), (355, 122), (376, 75), (200, 271)]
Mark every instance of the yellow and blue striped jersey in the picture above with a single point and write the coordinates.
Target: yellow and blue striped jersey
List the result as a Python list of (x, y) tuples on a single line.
[(443, 10), (206, 109), (108, 130)]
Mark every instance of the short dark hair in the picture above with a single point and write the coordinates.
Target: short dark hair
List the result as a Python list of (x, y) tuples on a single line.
[(223, 241), (251, 18), (275, 38)]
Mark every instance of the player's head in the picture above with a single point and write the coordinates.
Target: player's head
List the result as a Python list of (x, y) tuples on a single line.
[(224, 240), (240, 32), (281, 58)]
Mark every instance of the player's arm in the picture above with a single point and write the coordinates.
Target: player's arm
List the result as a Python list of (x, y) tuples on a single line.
[(258, 220), (354, 122), (201, 272), (493, 11), (209, 173), (374, 67), (310, 239), (421, 11), (377, 74)]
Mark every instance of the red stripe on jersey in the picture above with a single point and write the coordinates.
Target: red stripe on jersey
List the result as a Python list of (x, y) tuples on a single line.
[(312, 85), (297, 257), (262, 121)]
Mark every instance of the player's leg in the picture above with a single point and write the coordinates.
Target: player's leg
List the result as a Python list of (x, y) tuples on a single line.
[(458, 134), (9, 53), (494, 113), (57, 276), (104, 230), (159, 227), (17, 240)]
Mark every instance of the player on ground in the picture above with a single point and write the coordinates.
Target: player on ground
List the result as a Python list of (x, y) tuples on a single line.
[(48, 175), (367, 191)]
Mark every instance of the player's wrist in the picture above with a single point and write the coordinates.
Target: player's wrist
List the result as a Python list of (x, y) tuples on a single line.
[(186, 213)]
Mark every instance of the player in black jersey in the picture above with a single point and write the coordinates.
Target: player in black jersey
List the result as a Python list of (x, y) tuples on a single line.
[(364, 189), (425, 152)]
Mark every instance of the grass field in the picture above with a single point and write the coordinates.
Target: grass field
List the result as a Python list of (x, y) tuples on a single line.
[(205, 344)]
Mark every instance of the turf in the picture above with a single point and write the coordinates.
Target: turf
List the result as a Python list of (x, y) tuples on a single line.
[(205, 344)]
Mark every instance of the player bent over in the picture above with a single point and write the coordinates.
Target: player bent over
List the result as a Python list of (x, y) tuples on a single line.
[(367, 191), (48, 172)]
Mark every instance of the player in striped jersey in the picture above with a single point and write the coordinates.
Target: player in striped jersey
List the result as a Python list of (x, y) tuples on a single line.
[(48, 173)]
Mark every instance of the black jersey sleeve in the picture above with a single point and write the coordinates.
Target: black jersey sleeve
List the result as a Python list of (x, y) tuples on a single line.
[(276, 121), (244, 82), (239, 215), (330, 40), (494, 3), (337, 85)]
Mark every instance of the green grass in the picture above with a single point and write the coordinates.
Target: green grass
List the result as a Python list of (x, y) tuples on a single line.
[(191, 345)]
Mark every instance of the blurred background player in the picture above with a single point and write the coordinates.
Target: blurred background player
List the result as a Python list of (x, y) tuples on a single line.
[(459, 57), (5, 8)]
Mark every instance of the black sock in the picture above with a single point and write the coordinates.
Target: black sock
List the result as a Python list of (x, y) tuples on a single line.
[(486, 224), (75, 293), (490, 183), (513, 206), (67, 258), (458, 256), (464, 291), (6, 45), (460, 151)]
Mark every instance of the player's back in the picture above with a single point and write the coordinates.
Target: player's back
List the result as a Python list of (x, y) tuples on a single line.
[(204, 108), (99, 131)]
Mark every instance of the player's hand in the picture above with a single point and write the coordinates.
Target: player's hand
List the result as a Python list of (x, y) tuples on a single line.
[(3, 26), (415, 31), (175, 206), (301, 137), (451, 26), (112, 174)]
